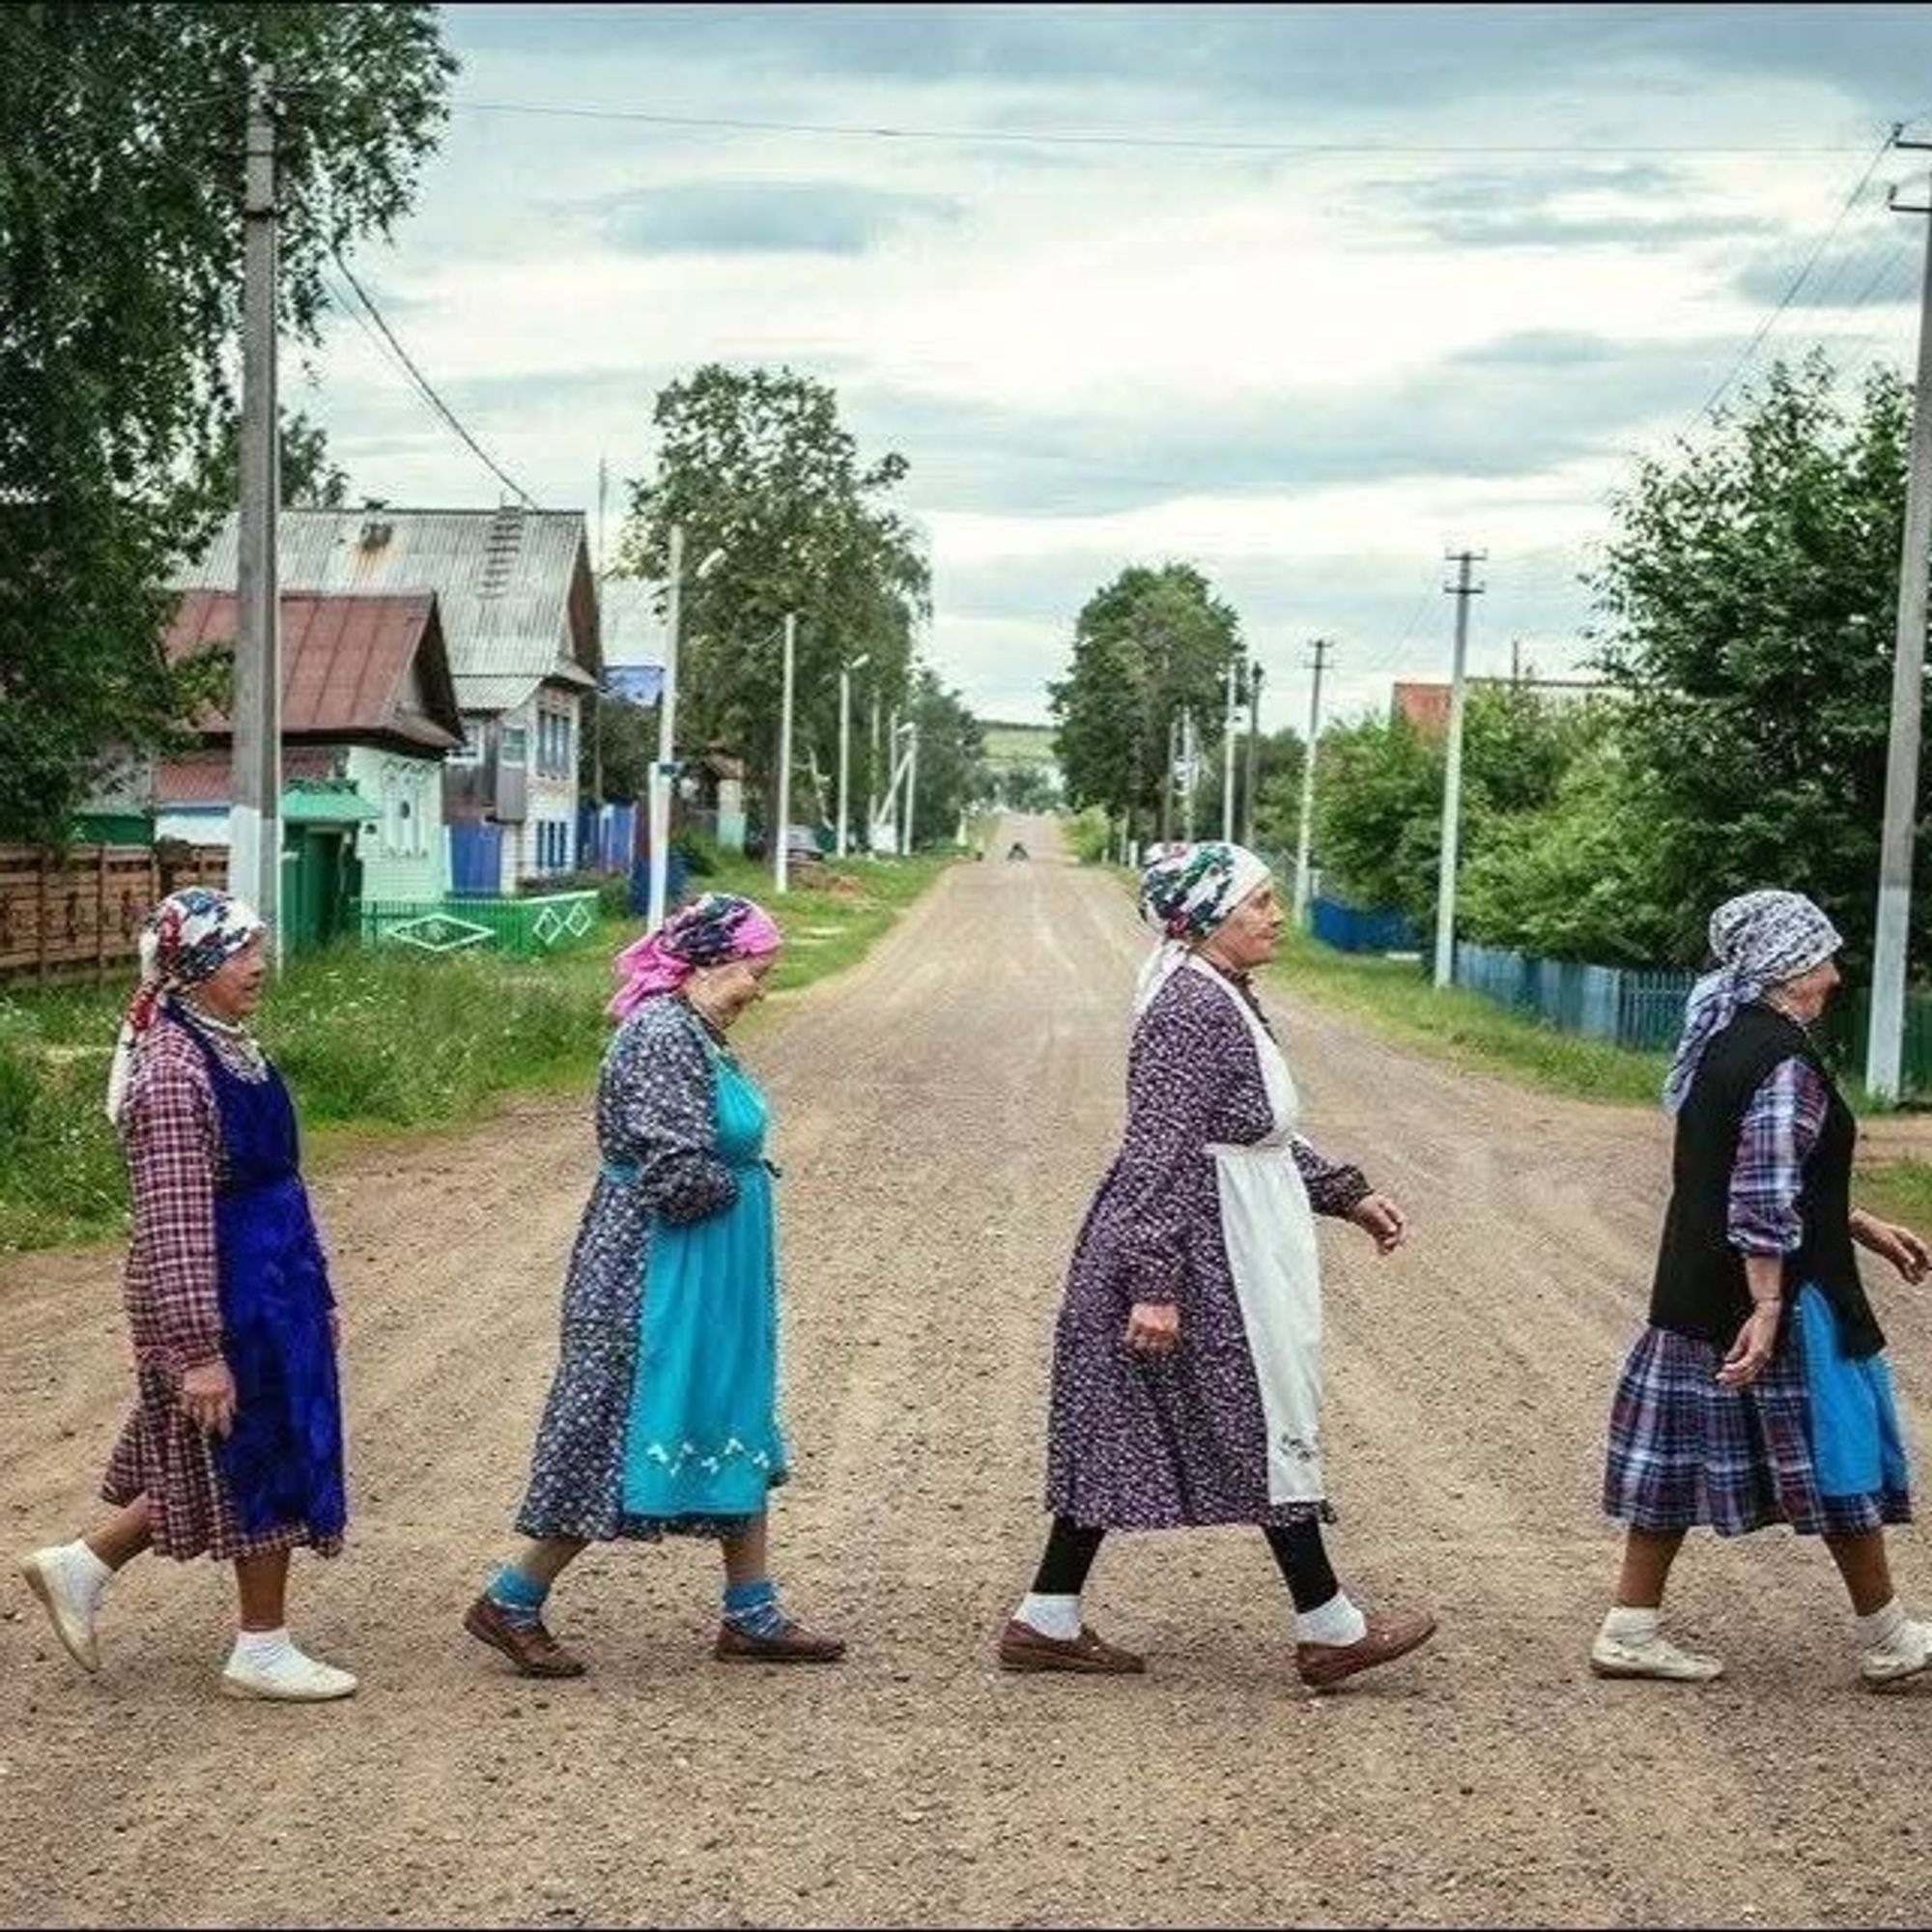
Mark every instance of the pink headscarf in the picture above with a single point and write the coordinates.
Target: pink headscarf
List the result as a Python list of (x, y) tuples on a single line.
[(707, 933)]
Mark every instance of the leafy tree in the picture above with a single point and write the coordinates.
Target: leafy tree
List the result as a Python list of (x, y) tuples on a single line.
[(1278, 766), (1748, 604), (310, 477), (1149, 647), (1025, 788), (120, 191), (756, 464), (618, 748), (952, 777)]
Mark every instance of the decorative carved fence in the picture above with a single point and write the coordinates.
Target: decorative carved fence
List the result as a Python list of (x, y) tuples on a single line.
[(76, 916)]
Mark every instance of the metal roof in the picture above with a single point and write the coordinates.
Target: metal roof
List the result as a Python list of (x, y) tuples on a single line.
[(353, 667), (507, 583)]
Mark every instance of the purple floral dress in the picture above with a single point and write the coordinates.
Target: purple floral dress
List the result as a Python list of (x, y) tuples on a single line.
[(1135, 1442)]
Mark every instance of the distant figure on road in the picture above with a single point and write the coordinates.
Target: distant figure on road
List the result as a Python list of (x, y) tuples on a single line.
[(1186, 1370), (1017, 850), (234, 1449), (1757, 1394), (663, 1418)]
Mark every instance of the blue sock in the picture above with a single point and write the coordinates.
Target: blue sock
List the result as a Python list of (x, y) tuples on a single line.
[(521, 1596), (753, 1608)]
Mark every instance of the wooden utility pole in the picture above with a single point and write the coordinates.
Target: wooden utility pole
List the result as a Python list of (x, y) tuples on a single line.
[(255, 791), (1884, 1042), (1304, 838), (1462, 589)]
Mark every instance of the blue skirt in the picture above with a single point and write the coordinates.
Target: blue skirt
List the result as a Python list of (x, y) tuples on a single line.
[(1813, 1443)]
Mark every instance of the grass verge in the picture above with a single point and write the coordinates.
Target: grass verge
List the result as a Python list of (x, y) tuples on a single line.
[(382, 1043)]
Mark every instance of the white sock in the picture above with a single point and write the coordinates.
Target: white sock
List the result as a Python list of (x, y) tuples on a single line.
[(1630, 1623), (1051, 1616), (87, 1575), (1884, 1623), (264, 1648), (1337, 1621)]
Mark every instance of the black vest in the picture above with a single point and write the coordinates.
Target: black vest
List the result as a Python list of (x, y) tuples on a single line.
[(1700, 1287)]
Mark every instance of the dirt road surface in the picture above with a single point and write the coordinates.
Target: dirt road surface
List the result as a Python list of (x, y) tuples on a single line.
[(944, 1113)]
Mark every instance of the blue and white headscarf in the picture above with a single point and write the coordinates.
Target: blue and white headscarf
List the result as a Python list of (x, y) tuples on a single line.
[(1759, 940), (1186, 892)]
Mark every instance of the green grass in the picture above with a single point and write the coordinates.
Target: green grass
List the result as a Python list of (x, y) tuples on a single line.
[(1018, 744), (382, 1043), (1897, 1190), (1395, 998)]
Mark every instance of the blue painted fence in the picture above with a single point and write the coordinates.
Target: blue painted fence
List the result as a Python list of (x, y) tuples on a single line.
[(1350, 930)]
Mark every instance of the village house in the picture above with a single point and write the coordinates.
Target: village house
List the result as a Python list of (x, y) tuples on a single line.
[(518, 621), (369, 713)]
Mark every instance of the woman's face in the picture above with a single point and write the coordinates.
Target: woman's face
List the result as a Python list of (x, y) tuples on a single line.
[(724, 993), (234, 989), (1249, 935), (1804, 998)]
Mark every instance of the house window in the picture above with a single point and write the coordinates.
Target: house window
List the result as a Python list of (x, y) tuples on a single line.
[(553, 744), (516, 745)]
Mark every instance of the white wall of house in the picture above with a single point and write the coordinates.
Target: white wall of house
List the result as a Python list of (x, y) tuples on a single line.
[(404, 854), (549, 834)]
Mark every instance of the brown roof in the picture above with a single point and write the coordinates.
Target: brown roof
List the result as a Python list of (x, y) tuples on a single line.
[(203, 777), (346, 659)]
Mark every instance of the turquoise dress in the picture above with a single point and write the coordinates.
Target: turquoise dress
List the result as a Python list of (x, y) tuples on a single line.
[(702, 1443)]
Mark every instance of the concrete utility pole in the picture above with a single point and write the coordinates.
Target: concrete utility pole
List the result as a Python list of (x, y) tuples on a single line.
[(255, 809), (845, 671), (1884, 1047), (1304, 838), (1254, 753), (663, 771), (1168, 779), (781, 859), (1188, 760), (1462, 589), (1231, 731), (912, 787)]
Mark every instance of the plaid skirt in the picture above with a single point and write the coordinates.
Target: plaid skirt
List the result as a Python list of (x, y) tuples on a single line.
[(1684, 1450)]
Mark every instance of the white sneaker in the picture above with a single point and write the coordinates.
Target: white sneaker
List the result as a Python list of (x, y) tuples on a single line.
[(1654, 1656), (293, 1678), (71, 1613), (1904, 1654)]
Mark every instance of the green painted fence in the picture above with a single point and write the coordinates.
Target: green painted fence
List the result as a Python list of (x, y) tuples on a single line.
[(528, 927)]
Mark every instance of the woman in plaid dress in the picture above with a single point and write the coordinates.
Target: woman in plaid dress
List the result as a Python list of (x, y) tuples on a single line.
[(1758, 1393), (234, 1447)]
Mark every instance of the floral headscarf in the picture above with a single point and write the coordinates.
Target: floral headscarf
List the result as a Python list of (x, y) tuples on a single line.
[(1758, 939), (186, 938), (707, 933), (1186, 892)]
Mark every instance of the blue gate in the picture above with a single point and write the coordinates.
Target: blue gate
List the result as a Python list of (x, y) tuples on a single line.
[(475, 856)]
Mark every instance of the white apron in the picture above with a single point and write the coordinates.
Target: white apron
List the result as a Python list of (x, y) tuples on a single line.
[(1269, 1229)]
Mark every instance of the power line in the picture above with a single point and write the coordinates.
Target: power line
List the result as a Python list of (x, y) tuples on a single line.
[(427, 389), (1798, 282), (1052, 138)]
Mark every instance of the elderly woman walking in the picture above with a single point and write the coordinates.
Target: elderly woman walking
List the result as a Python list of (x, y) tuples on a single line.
[(1186, 1370), (234, 1448), (1757, 1394), (663, 1418)]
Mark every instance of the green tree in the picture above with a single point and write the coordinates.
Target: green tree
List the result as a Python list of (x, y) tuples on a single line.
[(311, 478), (1748, 607), (1147, 648), (952, 775), (756, 464), (121, 178), (1278, 765)]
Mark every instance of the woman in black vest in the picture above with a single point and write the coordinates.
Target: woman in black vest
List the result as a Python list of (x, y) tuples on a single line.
[(1758, 1394)]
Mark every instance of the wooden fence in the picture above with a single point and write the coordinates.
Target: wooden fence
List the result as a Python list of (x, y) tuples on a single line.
[(76, 916)]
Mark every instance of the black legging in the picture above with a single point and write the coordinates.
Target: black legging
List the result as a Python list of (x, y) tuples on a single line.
[(1298, 1550)]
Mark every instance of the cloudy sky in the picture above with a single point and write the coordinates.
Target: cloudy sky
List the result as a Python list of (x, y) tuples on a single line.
[(1304, 295)]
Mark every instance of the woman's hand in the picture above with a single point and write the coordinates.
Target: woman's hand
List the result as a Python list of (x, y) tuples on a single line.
[(1752, 1350), (1381, 1220), (1890, 1243), (208, 1395), (1153, 1327)]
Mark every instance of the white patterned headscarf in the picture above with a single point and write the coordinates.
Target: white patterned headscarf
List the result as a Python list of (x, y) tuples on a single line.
[(1186, 892), (186, 938), (1759, 940)]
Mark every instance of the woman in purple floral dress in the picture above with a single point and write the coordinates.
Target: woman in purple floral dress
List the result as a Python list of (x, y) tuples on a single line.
[(1186, 1371)]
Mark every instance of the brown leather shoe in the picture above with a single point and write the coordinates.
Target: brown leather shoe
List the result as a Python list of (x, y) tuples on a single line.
[(1024, 1648), (793, 1644), (1323, 1664), (528, 1645)]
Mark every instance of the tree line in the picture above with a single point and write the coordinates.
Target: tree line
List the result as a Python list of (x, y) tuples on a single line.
[(1743, 620)]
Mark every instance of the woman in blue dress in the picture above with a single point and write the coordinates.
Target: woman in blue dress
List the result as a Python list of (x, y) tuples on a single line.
[(663, 1416)]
